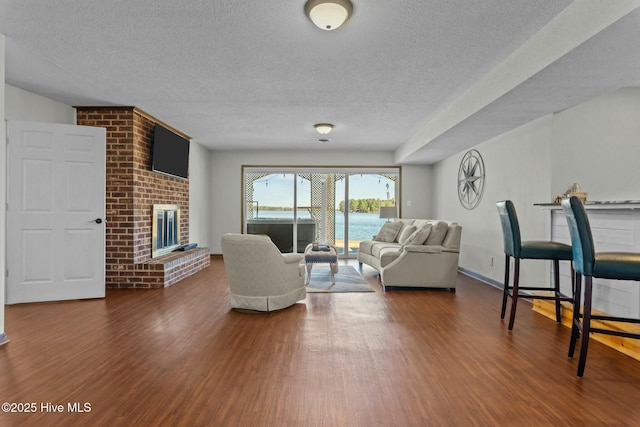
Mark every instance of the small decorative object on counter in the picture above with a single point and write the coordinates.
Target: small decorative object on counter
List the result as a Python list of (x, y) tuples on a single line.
[(576, 190)]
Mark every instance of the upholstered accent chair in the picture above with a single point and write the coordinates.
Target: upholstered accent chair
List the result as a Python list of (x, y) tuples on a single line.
[(516, 248), (260, 277), (589, 264)]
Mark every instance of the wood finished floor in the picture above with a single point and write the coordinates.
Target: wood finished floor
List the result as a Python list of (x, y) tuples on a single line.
[(180, 357)]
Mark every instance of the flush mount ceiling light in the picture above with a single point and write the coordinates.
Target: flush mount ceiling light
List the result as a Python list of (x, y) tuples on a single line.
[(328, 14), (323, 128)]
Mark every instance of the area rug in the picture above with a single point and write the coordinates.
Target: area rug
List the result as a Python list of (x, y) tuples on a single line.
[(347, 280)]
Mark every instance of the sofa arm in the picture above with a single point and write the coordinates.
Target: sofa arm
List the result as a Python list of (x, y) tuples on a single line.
[(418, 268), (423, 249), (449, 250), (292, 261), (292, 258)]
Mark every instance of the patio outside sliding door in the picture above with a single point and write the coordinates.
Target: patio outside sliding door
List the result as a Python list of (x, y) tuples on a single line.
[(269, 207)]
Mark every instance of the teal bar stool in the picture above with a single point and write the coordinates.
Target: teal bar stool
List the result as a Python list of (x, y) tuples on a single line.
[(589, 263), (517, 249)]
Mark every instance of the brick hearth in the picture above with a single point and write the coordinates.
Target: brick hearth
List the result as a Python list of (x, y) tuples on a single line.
[(132, 190)]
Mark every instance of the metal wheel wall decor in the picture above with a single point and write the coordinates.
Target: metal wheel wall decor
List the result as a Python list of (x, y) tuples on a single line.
[(471, 179)]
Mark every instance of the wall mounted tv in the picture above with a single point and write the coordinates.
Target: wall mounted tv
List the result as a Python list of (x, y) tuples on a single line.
[(170, 153)]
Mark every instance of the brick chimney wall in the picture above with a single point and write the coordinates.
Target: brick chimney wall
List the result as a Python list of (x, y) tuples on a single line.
[(132, 190)]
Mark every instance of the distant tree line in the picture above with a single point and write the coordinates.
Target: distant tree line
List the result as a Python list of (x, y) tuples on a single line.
[(366, 205), (355, 205), (275, 208)]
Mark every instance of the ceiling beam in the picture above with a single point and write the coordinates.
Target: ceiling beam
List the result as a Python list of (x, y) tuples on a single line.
[(580, 21)]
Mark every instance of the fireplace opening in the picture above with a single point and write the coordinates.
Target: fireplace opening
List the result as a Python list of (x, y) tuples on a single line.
[(166, 229)]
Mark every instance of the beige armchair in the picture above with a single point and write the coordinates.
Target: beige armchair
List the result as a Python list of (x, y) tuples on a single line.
[(260, 277)]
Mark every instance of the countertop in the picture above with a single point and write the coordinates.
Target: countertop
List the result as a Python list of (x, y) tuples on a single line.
[(596, 203)]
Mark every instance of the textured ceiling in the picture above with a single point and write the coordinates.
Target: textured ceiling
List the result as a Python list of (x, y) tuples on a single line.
[(242, 74)]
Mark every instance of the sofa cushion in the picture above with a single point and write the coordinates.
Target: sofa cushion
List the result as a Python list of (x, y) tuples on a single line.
[(407, 231), (379, 246), (419, 236), (405, 223), (388, 255), (388, 232), (366, 246), (438, 232), (419, 223)]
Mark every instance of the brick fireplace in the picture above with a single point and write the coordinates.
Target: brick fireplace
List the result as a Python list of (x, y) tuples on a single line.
[(132, 191)]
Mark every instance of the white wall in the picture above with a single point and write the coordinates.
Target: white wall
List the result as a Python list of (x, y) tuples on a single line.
[(199, 194), (3, 190), (226, 182), (27, 106), (517, 168), (596, 144), (417, 191)]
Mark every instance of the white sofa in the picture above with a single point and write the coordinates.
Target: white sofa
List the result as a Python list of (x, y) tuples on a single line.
[(432, 264), (260, 277)]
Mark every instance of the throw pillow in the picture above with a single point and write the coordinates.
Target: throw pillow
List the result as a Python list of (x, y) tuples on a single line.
[(438, 232), (405, 233), (388, 232), (419, 236)]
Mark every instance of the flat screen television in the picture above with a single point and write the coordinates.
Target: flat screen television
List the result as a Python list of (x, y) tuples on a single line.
[(170, 153)]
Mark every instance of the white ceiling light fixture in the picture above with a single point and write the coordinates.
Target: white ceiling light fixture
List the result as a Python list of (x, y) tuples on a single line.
[(323, 128), (328, 14)]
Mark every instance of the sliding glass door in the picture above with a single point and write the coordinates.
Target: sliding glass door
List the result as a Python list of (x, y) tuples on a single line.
[(340, 213), (367, 193), (308, 210), (270, 207), (335, 205)]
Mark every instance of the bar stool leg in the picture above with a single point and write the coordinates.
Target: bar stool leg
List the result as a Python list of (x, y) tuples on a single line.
[(505, 292), (514, 298), (575, 317), (586, 325), (556, 280)]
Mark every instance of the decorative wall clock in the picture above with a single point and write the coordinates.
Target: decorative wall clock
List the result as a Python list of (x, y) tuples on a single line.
[(471, 179)]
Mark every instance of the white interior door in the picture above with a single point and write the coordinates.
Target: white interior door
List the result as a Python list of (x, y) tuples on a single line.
[(55, 212)]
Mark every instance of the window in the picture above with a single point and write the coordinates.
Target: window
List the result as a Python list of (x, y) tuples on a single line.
[(297, 206)]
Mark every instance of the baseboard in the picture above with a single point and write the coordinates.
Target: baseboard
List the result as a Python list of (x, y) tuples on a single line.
[(482, 278), (628, 346)]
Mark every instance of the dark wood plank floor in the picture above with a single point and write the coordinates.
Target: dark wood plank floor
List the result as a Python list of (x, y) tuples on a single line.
[(180, 357)]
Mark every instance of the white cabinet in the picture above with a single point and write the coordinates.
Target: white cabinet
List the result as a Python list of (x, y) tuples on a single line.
[(616, 228)]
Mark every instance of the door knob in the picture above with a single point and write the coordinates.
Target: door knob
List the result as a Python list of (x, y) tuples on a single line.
[(98, 220)]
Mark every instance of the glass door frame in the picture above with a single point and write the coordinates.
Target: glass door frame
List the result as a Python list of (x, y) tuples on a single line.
[(347, 171)]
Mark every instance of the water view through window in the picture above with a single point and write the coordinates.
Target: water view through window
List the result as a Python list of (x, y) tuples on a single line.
[(362, 226), (333, 207)]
